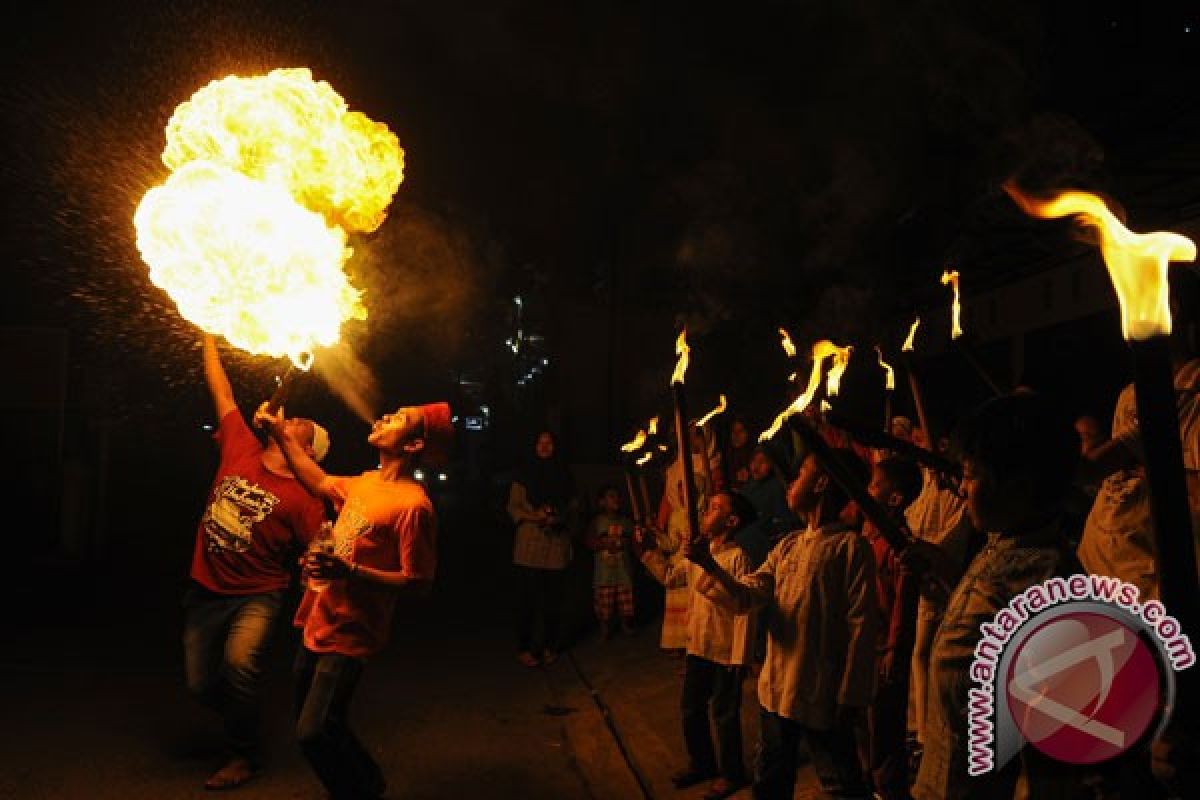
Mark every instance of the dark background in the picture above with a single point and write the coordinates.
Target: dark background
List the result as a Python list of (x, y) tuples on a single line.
[(623, 168)]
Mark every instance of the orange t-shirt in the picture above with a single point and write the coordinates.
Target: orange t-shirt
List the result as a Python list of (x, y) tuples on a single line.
[(386, 525)]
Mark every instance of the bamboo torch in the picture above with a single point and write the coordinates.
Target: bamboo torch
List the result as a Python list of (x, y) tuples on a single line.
[(914, 385), (683, 436), (702, 425), (1138, 264), (950, 277), (632, 446), (889, 386)]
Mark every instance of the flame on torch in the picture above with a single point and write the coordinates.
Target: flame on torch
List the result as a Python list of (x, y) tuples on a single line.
[(635, 443), (912, 336), (248, 234), (821, 350), (1137, 262), (645, 459), (950, 276), (720, 409), (682, 350), (653, 429), (788, 347), (890, 374)]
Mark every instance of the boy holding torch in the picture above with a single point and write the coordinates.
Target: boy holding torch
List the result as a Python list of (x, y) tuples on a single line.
[(720, 646), (818, 586), (384, 544)]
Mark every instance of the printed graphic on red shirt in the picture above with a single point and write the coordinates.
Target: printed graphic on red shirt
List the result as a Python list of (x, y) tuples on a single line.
[(236, 506)]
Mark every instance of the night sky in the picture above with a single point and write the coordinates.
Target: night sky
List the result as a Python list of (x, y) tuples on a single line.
[(736, 167)]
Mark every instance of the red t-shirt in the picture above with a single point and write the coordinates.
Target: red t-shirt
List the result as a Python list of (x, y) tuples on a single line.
[(386, 525), (253, 520)]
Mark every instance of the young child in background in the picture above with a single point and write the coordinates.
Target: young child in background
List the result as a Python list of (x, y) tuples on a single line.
[(609, 537)]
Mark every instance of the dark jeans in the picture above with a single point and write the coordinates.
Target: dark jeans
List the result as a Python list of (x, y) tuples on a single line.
[(539, 593), (887, 723), (833, 757), (224, 643), (325, 684), (705, 681)]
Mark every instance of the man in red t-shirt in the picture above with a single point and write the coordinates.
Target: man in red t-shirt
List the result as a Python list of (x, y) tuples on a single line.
[(256, 517), (385, 542)]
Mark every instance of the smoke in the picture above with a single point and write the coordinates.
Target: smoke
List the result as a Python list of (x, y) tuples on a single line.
[(350, 379)]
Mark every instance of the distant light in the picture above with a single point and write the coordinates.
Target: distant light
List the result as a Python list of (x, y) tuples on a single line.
[(419, 474), (485, 410), (454, 418), (442, 477), (545, 362), (517, 300), (207, 427)]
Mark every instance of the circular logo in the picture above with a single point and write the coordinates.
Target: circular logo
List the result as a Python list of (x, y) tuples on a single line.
[(1084, 687)]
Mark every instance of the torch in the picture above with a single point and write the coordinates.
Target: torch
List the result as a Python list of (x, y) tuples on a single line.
[(1138, 264), (822, 350), (950, 277), (651, 435), (632, 446), (683, 438), (889, 386), (701, 425), (868, 436), (914, 384)]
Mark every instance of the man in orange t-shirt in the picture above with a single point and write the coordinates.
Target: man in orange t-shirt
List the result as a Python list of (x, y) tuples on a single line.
[(384, 543)]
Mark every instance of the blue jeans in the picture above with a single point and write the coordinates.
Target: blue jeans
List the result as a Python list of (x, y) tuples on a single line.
[(224, 643), (325, 684)]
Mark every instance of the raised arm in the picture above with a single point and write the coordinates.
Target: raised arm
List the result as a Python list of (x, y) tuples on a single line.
[(218, 382), (307, 471), (738, 593)]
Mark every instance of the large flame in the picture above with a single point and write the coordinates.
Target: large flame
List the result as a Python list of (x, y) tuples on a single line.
[(912, 336), (241, 258), (889, 373), (1137, 262), (635, 443), (720, 409), (286, 129), (248, 234), (788, 347), (822, 350), (950, 276), (682, 350)]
